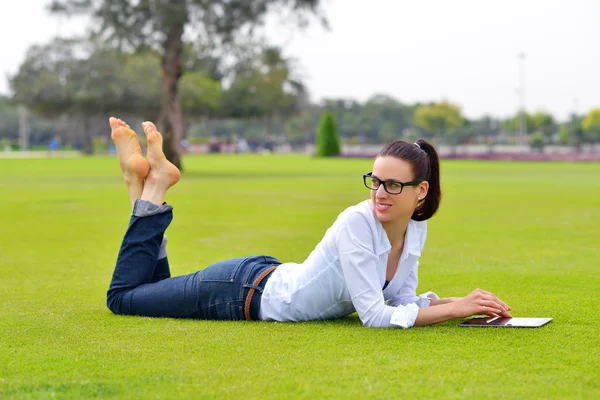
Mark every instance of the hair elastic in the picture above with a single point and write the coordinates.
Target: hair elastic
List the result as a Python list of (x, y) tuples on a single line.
[(417, 144)]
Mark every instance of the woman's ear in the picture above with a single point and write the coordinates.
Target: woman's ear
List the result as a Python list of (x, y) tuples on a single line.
[(423, 189)]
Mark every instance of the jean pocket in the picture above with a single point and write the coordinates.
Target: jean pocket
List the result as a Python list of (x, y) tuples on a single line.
[(232, 311)]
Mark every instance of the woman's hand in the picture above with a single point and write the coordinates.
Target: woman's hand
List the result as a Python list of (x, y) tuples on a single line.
[(480, 302)]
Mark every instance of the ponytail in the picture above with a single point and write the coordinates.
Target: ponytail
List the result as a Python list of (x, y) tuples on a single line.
[(430, 204)]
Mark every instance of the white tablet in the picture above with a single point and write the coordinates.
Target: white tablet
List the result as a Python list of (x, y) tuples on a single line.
[(506, 322)]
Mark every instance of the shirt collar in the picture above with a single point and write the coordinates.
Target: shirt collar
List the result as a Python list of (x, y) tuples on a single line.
[(412, 242)]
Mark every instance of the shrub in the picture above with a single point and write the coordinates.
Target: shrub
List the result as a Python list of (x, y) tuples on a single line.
[(328, 140), (537, 142)]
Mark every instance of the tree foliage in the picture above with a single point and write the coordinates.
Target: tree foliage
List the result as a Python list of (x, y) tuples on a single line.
[(543, 122), (591, 125), (540, 121), (328, 144), (442, 119), (68, 77), (160, 25)]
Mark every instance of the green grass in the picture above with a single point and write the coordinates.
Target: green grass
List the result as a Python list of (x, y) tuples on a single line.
[(527, 232)]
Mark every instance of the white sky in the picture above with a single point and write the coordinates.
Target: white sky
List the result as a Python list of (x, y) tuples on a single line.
[(414, 50)]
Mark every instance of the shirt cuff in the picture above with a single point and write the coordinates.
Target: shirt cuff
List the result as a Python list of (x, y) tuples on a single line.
[(405, 316), (425, 299)]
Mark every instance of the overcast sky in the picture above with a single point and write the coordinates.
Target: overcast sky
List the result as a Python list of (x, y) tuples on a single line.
[(465, 51)]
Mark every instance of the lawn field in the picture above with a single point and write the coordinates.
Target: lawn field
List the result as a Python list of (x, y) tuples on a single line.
[(529, 232)]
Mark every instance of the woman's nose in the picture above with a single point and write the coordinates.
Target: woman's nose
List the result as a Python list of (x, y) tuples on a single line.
[(380, 192)]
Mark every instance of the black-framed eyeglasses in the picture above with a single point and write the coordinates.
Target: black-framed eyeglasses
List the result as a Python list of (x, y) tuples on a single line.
[(391, 186)]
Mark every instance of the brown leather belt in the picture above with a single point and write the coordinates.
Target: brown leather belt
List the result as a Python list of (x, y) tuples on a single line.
[(256, 282)]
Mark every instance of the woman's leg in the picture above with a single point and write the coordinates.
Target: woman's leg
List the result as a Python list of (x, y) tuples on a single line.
[(162, 173), (132, 290), (138, 258), (139, 285), (162, 270), (142, 257), (134, 166)]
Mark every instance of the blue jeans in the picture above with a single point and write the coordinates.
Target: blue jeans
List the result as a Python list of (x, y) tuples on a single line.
[(142, 284)]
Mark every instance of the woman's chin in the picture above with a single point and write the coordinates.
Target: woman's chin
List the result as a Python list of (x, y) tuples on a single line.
[(383, 216)]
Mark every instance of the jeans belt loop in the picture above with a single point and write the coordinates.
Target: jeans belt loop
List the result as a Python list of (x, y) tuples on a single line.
[(251, 291)]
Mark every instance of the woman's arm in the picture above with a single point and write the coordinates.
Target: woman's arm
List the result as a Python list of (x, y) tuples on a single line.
[(446, 300), (478, 302), (359, 264), (434, 315)]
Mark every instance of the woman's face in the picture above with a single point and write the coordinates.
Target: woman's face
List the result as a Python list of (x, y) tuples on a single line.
[(389, 207)]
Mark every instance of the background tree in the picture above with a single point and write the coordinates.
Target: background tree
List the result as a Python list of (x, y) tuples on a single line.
[(71, 77), (537, 141), (160, 25), (411, 134), (347, 114), (441, 119), (591, 125), (281, 90), (543, 123), (564, 134), (201, 97), (578, 137), (393, 115), (328, 144), (514, 124), (265, 85), (41, 80), (300, 129)]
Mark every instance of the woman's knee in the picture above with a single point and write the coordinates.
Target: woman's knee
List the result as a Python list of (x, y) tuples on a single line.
[(113, 301)]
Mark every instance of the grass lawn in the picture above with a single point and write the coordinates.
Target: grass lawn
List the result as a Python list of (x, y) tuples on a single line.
[(527, 232)]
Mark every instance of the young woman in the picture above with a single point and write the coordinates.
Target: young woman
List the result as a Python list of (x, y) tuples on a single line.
[(367, 262)]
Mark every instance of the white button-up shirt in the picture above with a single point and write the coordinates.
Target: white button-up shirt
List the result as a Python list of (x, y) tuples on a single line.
[(345, 273)]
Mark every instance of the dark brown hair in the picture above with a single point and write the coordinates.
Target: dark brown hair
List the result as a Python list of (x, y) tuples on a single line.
[(425, 165)]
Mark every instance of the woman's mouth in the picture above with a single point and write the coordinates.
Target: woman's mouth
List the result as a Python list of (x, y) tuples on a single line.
[(382, 207)]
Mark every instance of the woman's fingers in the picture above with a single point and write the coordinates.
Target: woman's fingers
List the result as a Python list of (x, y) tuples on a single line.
[(503, 314), (492, 305), (483, 302), (493, 297)]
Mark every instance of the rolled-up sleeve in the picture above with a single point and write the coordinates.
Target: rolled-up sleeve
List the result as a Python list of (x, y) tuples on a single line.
[(359, 265)]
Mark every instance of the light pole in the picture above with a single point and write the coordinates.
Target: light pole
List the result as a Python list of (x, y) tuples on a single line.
[(23, 129), (522, 120)]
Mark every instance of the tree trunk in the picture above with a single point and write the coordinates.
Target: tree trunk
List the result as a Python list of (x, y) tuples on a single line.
[(171, 116)]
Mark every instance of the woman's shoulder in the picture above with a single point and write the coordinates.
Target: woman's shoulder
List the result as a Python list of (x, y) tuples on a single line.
[(359, 213), (417, 236), (359, 221), (421, 225)]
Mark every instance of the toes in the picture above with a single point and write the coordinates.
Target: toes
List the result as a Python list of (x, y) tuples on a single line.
[(113, 122), (147, 128), (151, 133), (151, 125)]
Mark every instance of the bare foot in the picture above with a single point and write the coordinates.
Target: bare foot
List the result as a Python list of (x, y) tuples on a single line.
[(134, 166), (163, 174)]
